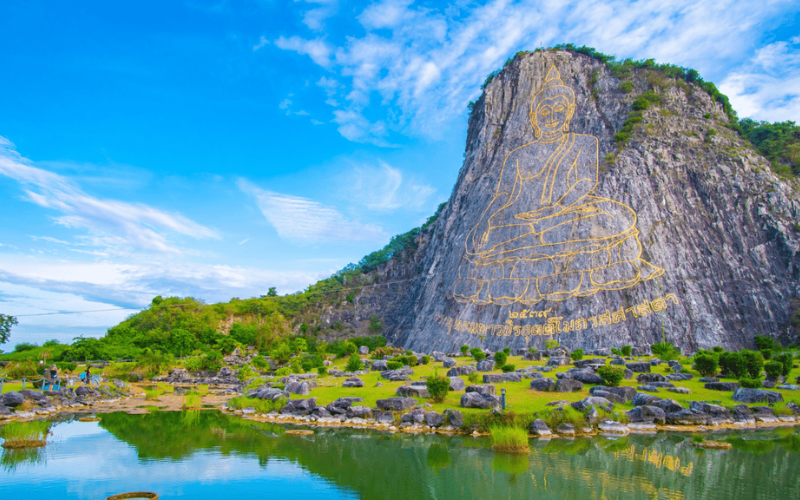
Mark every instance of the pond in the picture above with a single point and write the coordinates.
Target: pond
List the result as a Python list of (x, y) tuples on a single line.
[(206, 454)]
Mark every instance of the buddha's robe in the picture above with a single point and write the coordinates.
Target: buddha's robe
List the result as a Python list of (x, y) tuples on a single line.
[(544, 236)]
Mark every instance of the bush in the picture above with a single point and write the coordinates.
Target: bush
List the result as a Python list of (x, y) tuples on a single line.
[(732, 364), (507, 350), (626, 350), (774, 369), (152, 363), (322, 370), (282, 372), (754, 362), (626, 87), (296, 365), (464, 349), (426, 359), (20, 369), (509, 439), (473, 377), (641, 104), (245, 373), (260, 362), (665, 351), (616, 351), (706, 364), (438, 387), (718, 349), (750, 383), (764, 343), (477, 353), (500, 358), (411, 360), (70, 367), (508, 368), (394, 365), (610, 375), (577, 354), (551, 344), (785, 359), (375, 324)]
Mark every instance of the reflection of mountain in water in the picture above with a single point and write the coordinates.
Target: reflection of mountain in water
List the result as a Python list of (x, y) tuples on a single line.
[(384, 466)]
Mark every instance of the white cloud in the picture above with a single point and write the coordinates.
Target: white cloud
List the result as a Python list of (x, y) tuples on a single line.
[(50, 239), (424, 64), (113, 224), (384, 188), (314, 18), (768, 86), (261, 43), (307, 221)]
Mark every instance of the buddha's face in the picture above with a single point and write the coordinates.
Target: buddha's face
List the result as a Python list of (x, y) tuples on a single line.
[(552, 114)]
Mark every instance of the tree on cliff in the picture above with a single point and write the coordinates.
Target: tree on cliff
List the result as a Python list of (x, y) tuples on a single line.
[(6, 322)]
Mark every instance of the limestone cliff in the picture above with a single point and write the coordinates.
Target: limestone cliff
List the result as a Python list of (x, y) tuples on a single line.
[(554, 230)]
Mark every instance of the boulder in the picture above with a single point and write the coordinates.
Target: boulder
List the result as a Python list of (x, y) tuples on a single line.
[(718, 414), (530, 374), (638, 367), (534, 356), (624, 392), (225, 371), (675, 367), (269, 394), (486, 365), (353, 382), (708, 379), (609, 396), (340, 406), (363, 350), (454, 417), (359, 412), (300, 406), (618, 361), (794, 407), (438, 356), (543, 369), (80, 391), (299, 388), (539, 428), (383, 417), (641, 399), (789, 387), (379, 365), (482, 389), (647, 413), (457, 384), (458, 371), (31, 395), (756, 396), (687, 417), (557, 361), (646, 378), (4, 411), (585, 404), (583, 363), (680, 390), (566, 429), (543, 385), (627, 374), (722, 386), (763, 414), (478, 400), (433, 419), (565, 375), (661, 385), (613, 428), (588, 377), (679, 377), (668, 405), (449, 362), (565, 385), (396, 404), (413, 391), (647, 388), (495, 378)]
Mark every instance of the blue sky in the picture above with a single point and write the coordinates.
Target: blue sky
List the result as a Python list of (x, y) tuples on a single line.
[(215, 149)]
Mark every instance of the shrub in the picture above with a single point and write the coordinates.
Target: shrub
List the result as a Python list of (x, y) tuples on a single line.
[(245, 372), (438, 387), (296, 365), (322, 370), (732, 364), (551, 344), (764, 343), (508, 368), (477, 353), (665, 351), (19, 369), (785, 359), (192, 401), (260, 362), (426, 359), (750, 383), (577, 354), (260, 405), (473, 377), (706, 364), (394, 365), (509, 439), (698, 438), (282, 372), (70, 367), (507, 350), (25, 434), (626, 350), (464, 349), (754, 362), (718, 349), (153, 394), (411, 360), (533, 350), (500, 358), (774, 369), (626, 87), (610, 375), (616, 351), (781, 409), (641, 104), (354, 364)]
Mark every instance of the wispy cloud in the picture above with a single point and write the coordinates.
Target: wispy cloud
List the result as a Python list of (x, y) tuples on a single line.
[(261, 43), (113, 224), (307, 221), (424, 63), (323, 9), (385, 188), (50, 239)]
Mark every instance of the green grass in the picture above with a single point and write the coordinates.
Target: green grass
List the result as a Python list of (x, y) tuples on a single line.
[(509, 439), (24, 434), (192, 401), (152, 394), (260, 405)]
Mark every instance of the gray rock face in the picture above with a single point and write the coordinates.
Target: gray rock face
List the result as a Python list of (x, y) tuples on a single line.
[(557, 361), (650, 377), (359, 412), (566, 385), (433, 419), (486, 365), (396, 404), (4, 411), (415, 391), (457, 384), (383, 417), (495, 378), (668, 405), (609, 396), (566, 429), (687, 417), (482, 389), (718, 414), (756, 396), (299, 388), (543, 384), (458, 371), (478, 400)]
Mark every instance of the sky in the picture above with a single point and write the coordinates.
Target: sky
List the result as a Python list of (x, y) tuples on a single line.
[(215, 149)]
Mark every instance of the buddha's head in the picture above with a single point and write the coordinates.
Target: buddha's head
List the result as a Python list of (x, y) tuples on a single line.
[(552, 107)]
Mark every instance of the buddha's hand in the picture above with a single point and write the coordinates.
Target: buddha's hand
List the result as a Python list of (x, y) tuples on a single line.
[(540, 214), (480, 236)]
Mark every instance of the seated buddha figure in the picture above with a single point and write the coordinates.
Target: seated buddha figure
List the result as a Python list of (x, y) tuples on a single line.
[(544, 236)]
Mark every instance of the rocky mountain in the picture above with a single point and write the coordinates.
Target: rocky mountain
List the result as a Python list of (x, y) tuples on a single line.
[(597, 206)]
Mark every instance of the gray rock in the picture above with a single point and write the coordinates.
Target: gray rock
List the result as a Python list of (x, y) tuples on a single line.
[(722, 386), (618, 361), (623, 392), (668, 405), (647, 413), (457, 384), (641, 399), (496, 378), (592, 401), (543, 369), (486, 365), (458, 371), (613, 428), (478, 400), (708, 379), (647, 388), (646, 378), (543, 385), (449, 362), (609, 396), (396, 404), (557, 361), (638, 367), (763, 414), (588, 376), (566, 429), (433, 419), (539, 428), (4, 411), (679, 377), (756, 396), (482, 389), (680, 390), (687, 417), (359, 412), (363, 350), (718, 414), (454, 417), (741, 413), (225, 371), (383, 417), (789, 387), (676, 367), (438, 356), (565, 376), (534, 356), (794, 407), (584, 363), (299, 388), (353, 382), (80, 391), (565, 385), (270, 394), (413, 391), (627, 374), (662, 385), (379, 365)]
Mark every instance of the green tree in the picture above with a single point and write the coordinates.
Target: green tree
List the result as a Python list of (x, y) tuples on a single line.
[(354, 364), (6, 322), (438, 386), (706, 364)]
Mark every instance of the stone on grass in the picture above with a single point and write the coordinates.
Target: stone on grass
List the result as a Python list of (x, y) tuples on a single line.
[(414, 391), (449, 362), (482, 389), (4, 411), (565, 385), (458, 371), (647, 413), (614, 398), (433, 419), (455, 417), (457, 384), (719, 414), (668, 405), (643, 399), (359, 412), (638, 367), (543, 385), (613, 428), (379, 366), (13, 399), (557, 361), (495, 378), (396, 404), (722, 386), (353, 382), (626, 393), (363, 350), (299, 388), (756, 396), (680, 390), (592, 401), (478, 400), (566, 429), (539, 428), (486, 365), (646, 378)]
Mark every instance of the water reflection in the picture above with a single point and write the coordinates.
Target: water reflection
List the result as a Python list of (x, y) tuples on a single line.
[(196, 451)]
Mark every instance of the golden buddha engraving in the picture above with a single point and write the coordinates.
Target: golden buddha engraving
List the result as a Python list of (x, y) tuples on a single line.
[(543, 235)]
